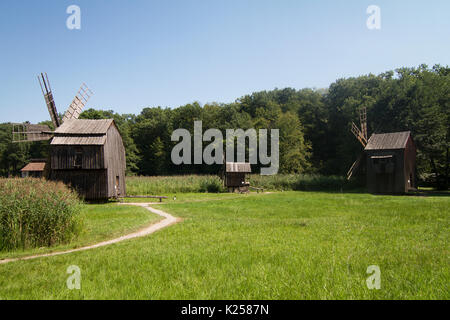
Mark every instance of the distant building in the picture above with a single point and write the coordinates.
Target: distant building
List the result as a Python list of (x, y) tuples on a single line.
[(35, 169), (234, 176), (89, 155), (391, 163)]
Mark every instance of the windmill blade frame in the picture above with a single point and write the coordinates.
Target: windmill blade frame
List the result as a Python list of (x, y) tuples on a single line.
[(27, 132), (78, 103), (359, 135), (355, 166), (49, 101), (363, 121)]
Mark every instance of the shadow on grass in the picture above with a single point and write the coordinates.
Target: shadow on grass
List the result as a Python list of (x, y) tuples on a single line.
[(430, 193)]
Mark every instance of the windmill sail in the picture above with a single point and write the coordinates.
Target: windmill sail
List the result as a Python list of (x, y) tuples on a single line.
[(363, 121), (359, 135), (354, 166), (25, 132), (78, 103), (48, 96)]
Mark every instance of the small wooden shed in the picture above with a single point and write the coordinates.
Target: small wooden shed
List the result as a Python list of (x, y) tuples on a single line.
[(36, 169), (391, 163), (234, 176), (89, 155)]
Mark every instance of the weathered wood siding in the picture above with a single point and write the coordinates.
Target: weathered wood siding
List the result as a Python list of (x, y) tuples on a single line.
[(234, 179), (90, 184), (63, 157), (391, 180), (115, 161), (410, 165)]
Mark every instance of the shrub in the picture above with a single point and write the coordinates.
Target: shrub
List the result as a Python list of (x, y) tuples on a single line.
[(37, 212), (212, 184)]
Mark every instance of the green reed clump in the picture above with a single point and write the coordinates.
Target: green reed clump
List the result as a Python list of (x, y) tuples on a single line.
[(36, 213), (212, 184)]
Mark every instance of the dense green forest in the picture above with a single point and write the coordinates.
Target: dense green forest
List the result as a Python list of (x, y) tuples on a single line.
[(314, 125)]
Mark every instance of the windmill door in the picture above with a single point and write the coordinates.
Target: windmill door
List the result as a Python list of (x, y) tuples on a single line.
[(384, 167), (117, 186)]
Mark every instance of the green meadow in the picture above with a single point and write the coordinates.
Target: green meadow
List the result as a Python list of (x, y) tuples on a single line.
[(281, 245)]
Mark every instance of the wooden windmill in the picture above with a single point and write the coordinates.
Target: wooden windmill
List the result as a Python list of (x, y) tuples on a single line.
[(88, 155), (361, 135), (390, 159), (27, 132)]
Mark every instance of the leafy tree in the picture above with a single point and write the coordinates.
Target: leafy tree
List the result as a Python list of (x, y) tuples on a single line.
[(294, 150), (314, 125)]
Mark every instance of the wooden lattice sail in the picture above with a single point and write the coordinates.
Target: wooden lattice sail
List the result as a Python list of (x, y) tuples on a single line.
[(361, 135), (78, 103), (48, 96), (26, 132)]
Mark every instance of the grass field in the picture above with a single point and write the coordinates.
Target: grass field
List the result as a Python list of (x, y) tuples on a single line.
[(289, 245), (100, 222)]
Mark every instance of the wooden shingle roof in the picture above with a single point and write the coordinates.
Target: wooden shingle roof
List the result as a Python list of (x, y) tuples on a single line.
[(34, 166), (84, 126), (238, 167), (389, 141), (87, 140)]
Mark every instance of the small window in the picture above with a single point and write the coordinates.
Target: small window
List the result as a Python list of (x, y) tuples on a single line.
[(78, 157)]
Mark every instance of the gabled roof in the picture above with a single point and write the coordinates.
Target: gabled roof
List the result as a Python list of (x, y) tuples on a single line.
[(84, 127), (238, 167), (34, 166), (389, 141)]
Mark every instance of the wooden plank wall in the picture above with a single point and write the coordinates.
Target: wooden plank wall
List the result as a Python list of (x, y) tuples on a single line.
[(115, 161), (90, 184), (63, 157), (386, 183), (234, 179), (410, 165)]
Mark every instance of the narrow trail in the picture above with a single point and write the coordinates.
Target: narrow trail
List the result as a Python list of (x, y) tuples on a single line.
[(168, 221)]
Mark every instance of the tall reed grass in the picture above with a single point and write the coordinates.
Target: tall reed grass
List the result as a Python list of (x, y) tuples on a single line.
[(305, 182), (160, 185), (37, 212)]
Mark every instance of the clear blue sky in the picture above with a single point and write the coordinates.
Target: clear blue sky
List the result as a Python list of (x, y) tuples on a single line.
[(140, 53)]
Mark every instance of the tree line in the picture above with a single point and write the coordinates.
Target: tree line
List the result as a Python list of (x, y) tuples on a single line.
[(314, 125)]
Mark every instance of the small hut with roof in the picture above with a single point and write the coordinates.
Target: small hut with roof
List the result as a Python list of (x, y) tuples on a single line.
[(234, 176), (36, 168)]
